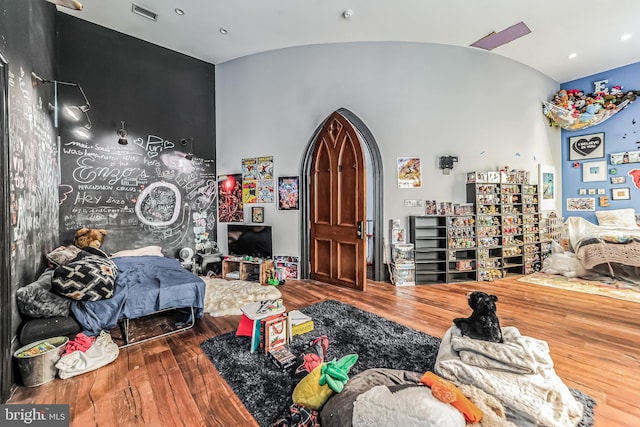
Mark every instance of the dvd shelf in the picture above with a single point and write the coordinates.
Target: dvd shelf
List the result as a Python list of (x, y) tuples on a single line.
[(508, 224), (444, 248)]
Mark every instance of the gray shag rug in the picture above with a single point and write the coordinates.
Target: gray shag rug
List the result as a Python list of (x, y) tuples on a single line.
[(379, 343)]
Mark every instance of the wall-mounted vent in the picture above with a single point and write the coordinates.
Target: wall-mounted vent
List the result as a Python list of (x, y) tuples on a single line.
[(139, 10)]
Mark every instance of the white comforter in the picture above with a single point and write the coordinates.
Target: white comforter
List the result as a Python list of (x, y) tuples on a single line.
[(540, 396)]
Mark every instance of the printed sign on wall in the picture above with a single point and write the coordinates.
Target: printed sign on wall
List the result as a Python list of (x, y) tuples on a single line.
[(586, 146)]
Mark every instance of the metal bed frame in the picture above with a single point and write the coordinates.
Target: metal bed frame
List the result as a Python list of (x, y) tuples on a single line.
[(125, 323)]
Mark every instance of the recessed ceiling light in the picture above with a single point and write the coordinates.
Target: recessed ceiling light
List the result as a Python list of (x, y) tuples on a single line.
[(625, 37), (223, 31), (572, 55), (179, 11)]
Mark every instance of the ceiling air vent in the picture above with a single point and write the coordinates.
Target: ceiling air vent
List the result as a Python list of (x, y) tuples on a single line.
[(139, 10)]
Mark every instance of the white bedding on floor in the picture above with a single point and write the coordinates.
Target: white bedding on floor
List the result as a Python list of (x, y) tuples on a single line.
[(541, 397), (225, 297)]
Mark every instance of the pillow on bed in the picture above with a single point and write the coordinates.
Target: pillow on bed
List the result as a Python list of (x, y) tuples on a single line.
[(90, 278), (147, 250), (623, 218)]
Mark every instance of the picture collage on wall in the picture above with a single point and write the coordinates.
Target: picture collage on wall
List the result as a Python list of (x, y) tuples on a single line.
[(591, 146), (257, 180)]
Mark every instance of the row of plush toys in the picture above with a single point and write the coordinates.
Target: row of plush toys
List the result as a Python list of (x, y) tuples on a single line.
[(584, 107)]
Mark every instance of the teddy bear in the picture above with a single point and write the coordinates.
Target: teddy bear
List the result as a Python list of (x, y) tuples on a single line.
[(89, 237), (483, 324)]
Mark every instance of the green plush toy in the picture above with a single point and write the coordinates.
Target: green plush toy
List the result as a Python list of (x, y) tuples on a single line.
[(316, 388)]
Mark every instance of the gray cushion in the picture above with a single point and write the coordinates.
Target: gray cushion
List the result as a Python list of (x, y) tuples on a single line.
[(37, 300), (40, 329), (338, 411)]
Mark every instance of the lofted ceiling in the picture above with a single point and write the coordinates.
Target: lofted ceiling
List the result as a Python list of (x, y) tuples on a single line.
[(590, 29)]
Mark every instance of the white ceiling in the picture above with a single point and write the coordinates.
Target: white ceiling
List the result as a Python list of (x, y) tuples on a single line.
[(589, 28)]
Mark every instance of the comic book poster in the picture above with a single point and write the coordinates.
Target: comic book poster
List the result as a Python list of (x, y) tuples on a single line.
[(249, 170), (230, 206), (409, 172), (265, 167), (288, 193), (249, 191), (265, 191)]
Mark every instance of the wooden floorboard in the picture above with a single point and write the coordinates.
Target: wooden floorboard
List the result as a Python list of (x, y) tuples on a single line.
[(594, 342)]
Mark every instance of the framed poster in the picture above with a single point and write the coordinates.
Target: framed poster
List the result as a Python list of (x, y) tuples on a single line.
[(586, 147), (581, 204), (547, 187), (257, 214), (620, 193), (288, 193), (594, 171), (409, 172), (230, 206)]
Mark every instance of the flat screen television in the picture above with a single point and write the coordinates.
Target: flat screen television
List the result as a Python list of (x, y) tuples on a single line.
[(252, 240)]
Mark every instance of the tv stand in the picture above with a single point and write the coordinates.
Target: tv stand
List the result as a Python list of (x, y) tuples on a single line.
[(239, 268)]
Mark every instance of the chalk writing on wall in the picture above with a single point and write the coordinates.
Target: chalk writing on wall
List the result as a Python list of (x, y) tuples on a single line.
[(145, 193), (33, 178)]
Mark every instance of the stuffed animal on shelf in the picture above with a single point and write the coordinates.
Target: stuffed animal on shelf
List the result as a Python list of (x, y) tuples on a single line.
[(483, 324), (89, 237)]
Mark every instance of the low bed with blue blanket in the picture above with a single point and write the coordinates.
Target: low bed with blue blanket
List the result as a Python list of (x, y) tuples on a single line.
[(144, 285), (87, 290)]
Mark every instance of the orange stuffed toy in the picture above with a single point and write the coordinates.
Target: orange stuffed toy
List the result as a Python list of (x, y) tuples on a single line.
[(449, 393)]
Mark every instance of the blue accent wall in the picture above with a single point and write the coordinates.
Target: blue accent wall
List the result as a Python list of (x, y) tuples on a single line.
[(621, 135)]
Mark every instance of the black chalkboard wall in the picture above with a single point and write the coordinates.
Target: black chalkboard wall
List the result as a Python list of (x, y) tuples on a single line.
[(27, 42), (146, 192)]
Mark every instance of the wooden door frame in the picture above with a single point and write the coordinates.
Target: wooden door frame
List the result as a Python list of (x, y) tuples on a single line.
[(370, 144), (6, 378)]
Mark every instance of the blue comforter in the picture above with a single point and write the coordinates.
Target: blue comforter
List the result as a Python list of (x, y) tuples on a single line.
[(145, 284)]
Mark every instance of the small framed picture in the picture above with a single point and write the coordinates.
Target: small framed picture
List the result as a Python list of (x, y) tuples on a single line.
[(582, 191), (594, 171), (604, 201), (257, 214), (620, 193), (581, 204), (601, 191), (618, 179), (397, 236), (592, 191)]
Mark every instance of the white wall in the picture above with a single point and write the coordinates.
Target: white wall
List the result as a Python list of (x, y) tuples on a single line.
[(421, 100)]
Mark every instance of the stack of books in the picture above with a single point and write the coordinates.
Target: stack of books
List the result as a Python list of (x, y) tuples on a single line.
[(299, 323)]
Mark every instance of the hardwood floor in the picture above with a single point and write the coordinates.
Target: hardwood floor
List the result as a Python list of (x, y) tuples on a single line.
[(594, 342)]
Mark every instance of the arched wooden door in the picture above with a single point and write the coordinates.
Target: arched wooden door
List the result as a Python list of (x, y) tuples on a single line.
[(337, 206)]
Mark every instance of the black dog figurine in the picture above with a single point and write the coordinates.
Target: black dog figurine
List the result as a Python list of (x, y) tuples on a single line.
[(483, 324)]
